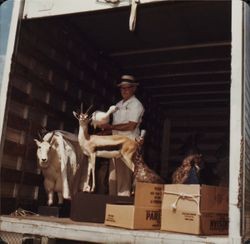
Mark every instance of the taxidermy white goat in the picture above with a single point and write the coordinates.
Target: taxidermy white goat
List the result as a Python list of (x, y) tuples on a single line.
[(59, 156), (100, 118)]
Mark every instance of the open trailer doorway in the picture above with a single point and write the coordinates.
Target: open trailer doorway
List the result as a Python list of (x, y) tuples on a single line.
[(180, 53)]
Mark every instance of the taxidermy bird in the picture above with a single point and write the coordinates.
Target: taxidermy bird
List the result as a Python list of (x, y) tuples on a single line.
[(142, 172), (100, 118)]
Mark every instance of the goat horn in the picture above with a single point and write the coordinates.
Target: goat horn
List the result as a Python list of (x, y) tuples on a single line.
[(39, 136), (50, 138), (89, 109), (44, 131), (41, 133)]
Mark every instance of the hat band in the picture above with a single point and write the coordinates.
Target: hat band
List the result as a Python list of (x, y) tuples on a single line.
[(127, 80)]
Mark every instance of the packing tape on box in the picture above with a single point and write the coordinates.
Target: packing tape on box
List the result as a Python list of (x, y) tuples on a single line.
[(184, 196)]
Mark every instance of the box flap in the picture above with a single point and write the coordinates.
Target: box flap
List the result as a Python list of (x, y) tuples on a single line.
[(147, 194)]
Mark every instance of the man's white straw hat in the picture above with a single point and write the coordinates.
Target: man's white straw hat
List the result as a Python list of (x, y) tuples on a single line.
[(128, 80)]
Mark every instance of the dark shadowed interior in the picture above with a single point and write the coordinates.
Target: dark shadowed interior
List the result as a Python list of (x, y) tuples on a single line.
[(180, 52)]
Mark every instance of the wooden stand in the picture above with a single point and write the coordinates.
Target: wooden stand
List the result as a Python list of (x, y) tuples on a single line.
[(88, 207), (56, 211)]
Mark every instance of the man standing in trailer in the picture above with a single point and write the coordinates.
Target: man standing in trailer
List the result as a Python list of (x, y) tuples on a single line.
[(126, 121)]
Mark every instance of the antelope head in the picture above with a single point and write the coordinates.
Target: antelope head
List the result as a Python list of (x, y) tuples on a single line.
[(83, 118)]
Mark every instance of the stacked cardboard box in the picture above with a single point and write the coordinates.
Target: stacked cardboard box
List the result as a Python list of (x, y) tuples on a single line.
[(195, 209), (144, 214)]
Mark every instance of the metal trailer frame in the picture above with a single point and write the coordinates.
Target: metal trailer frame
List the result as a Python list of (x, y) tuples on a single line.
[(41, 8)]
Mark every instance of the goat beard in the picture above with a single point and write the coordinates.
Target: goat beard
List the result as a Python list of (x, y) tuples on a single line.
[(43, 165)]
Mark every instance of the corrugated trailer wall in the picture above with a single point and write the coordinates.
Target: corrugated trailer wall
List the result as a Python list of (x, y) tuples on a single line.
[(49, 79), (54, 70)]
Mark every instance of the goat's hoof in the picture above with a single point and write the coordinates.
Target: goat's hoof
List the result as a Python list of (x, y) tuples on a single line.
[(87, 189)]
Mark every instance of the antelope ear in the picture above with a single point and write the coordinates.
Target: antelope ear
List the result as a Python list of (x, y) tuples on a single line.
[(37, 142), (76, 114)]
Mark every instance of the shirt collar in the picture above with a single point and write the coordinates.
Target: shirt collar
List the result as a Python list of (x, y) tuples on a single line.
[(129, 100)]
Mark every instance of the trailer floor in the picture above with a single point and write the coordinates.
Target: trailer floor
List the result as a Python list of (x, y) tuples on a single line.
[(65, 228)]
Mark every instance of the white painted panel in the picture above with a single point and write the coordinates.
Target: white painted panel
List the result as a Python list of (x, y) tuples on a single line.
[(43, 8), (7, 64), (246, 171), (235, 121)]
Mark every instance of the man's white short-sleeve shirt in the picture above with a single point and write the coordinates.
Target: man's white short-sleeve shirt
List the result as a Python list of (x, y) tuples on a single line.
[(130, 110)]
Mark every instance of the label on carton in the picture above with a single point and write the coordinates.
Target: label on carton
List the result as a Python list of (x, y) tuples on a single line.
[(110, 218), (148, 195), (153, 215), (219, 225), (156, 195), (214, 223), (147, 218), (189, 216)]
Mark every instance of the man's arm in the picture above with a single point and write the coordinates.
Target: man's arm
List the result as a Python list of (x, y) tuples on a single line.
[(130, 126)]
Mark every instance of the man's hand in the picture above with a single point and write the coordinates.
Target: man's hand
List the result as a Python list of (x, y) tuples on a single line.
[(140, 141), (121, 127), (106, 127)]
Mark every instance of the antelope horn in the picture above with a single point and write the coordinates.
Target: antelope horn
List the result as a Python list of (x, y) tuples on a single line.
[(89, 109), (81, 108)]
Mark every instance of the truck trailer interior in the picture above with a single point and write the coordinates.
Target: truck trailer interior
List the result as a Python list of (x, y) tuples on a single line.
[(180, 53)]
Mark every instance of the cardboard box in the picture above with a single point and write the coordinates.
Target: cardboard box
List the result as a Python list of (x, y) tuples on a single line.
[(195, 209), (148, 194), (90, 207), (144, 214), (131, 217)]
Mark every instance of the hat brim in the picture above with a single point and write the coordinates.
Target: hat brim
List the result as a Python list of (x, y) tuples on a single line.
[(128, 83)]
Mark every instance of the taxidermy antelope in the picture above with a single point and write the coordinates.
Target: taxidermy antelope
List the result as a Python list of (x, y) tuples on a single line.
[(90, 145), (58, 155), (100, 118)]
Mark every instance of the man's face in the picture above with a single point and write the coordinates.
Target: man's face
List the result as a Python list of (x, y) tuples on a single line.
[(127, 91)]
